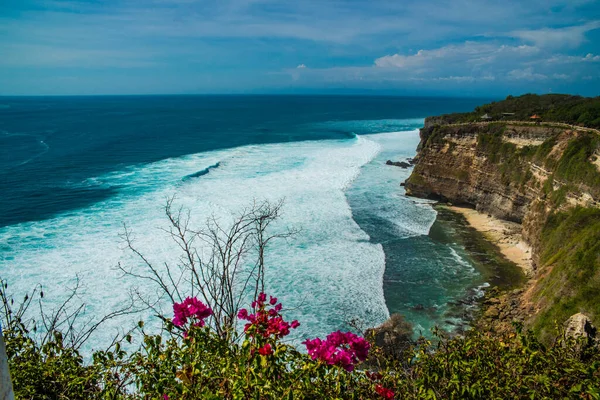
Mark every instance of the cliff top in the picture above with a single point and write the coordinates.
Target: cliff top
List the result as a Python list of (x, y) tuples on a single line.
[(574, 110)]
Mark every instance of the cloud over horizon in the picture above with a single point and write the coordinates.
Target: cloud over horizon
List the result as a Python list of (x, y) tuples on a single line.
[(201, 46)]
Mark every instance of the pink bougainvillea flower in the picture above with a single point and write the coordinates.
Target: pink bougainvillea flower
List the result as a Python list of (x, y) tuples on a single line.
[(190, 308), (341, 349), (266, 322), (384, 392), (265, 350)]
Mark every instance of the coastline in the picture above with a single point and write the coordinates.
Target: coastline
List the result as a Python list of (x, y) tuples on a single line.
[(502, 256), (505, 235)]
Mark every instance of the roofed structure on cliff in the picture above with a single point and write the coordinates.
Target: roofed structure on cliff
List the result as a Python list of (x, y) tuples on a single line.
[(486, 117), (536, 118)]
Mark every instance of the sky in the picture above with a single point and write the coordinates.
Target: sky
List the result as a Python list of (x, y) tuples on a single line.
[(405, 47)]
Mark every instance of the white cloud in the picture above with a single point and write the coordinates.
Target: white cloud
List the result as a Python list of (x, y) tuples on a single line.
[(567, 59), (465, 55), (526, 74), (572, 36), (466, 63), (242, 35)]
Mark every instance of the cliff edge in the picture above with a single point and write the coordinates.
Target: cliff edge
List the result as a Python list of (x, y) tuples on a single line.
[(544, 176)]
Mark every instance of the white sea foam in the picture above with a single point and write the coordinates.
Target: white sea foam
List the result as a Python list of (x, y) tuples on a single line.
[(409, 216), (460, 260), (328, 273)]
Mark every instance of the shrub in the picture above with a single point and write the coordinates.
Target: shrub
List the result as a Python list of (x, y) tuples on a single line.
[(189, 360)]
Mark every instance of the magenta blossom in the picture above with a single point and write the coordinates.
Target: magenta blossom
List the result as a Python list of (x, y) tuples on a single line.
[(384, 392), (266, 322), (342, 349), (266, 350), (190, 308)]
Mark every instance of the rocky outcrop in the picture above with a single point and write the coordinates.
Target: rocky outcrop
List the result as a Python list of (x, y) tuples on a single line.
[(401, 164), (394, 336), (580, 326)]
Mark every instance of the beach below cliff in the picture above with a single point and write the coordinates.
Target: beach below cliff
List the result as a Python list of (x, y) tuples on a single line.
[(497, 250), (505, 235)]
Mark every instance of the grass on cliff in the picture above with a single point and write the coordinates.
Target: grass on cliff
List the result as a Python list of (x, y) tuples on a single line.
[(570, 252), (512, 161), (575, 167)]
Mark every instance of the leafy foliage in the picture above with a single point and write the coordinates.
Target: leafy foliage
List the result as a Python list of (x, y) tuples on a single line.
[(195, 362), (575, 110)]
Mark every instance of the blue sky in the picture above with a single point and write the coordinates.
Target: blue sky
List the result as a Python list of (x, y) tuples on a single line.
[(447, 47)]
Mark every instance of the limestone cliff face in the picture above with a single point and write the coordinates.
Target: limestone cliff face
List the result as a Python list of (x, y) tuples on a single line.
[(501, 169), (452, 168), (545, 177)]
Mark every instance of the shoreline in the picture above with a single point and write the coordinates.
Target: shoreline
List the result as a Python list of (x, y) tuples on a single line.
[(505, 235), (505, 301)]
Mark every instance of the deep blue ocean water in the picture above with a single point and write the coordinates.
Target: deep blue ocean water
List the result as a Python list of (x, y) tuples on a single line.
[(73, 170)]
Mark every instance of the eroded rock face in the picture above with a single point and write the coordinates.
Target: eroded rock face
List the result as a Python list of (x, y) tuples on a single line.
[(511, 172), (580, 326), (453, 166)]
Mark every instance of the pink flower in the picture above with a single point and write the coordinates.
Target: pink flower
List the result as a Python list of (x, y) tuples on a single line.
[(191, 308), (266, 321), (165, 397), (243, 314), (384, 392), (265, 350), (341, 349)]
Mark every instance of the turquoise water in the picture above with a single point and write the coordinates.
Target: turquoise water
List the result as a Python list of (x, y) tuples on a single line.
[(74, 170), (427, 269)]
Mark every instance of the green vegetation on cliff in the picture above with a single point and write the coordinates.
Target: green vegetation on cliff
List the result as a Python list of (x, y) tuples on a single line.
[(575, 167), (570, 251), (575, 110), (572, 168)]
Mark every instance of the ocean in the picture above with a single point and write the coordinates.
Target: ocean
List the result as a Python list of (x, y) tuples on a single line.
[(74, 170)]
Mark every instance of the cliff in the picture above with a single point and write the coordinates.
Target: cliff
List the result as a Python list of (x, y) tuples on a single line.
[(545, 177)]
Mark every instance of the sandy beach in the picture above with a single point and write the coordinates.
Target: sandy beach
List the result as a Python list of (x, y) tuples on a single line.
[(504, 234)]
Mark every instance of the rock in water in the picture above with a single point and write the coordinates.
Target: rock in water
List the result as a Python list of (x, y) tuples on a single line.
[(400, 164)]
